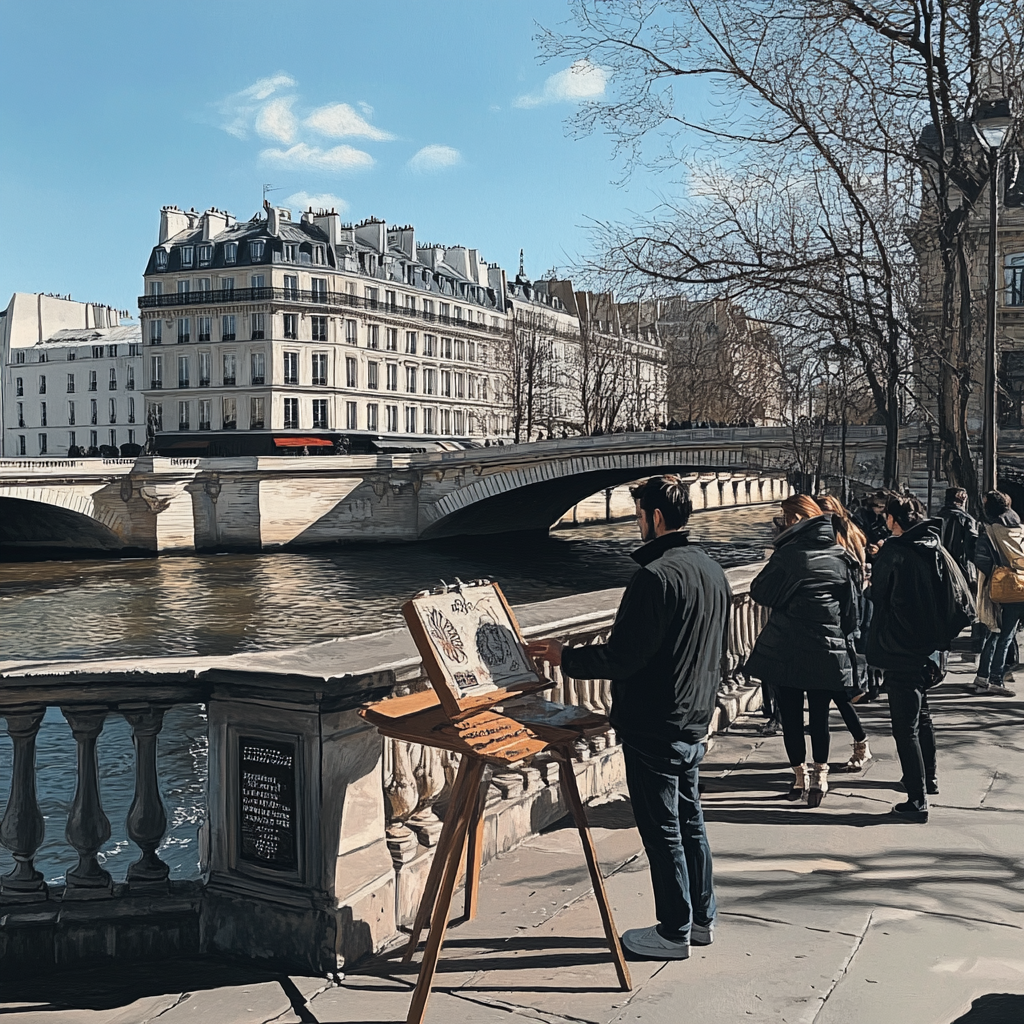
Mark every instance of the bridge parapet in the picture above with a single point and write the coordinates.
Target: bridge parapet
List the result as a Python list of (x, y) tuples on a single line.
[(319, 833)]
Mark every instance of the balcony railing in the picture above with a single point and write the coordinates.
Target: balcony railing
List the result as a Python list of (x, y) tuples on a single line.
[(229, 382), (324, 300), (258, 380), (156, 384), (183, 382)]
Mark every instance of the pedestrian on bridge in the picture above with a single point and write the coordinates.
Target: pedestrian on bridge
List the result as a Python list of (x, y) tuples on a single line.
[(805, 650), (664, 658)]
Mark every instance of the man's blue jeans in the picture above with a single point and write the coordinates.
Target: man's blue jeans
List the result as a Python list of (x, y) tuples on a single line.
[(997, 645), (666, 806)]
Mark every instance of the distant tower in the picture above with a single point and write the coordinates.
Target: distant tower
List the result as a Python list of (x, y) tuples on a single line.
[(522, 272)]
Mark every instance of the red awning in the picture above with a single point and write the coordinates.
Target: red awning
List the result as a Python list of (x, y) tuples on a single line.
[(303, 442)]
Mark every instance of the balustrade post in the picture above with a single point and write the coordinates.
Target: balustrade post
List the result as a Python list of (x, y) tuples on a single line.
[(147, 820), (88, 827), (23, 828)]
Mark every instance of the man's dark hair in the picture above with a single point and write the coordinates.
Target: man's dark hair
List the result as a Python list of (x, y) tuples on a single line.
[(668, 493), (956, 496), (997, 503), (905, 509)]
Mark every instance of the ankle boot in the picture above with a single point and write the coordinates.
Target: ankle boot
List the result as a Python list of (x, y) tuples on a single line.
[(817, 784), (799, 786), (860, 757)]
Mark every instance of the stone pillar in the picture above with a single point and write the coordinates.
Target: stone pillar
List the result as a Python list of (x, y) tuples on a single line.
[(147, 820), (23, 828)]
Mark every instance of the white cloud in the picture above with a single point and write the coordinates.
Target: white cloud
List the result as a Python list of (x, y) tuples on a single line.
[(302, 157), (435, 158), (339, 120), (320, 201), (276, 121), (237, 110), (365, 108), (580, 81)]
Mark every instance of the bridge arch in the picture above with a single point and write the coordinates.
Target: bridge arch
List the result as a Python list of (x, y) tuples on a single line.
[(532, 497), (65, 523)]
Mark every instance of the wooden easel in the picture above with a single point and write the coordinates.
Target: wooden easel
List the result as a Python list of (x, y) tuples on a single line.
[(498, 727)]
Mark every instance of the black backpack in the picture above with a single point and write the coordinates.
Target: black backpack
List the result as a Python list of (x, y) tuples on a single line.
[(954, 609)]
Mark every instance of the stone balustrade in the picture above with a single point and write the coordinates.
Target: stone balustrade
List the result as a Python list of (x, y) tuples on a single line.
[(361, 815)]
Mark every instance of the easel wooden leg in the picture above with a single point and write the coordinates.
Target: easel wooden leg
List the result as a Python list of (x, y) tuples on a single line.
[(567, 780), (474, 854), (439, 917), (442, 852)]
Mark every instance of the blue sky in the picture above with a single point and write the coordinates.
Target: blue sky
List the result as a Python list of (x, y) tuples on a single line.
[(436, 114)]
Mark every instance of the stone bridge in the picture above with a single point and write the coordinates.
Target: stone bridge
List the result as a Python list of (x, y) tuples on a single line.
[(165, 504)]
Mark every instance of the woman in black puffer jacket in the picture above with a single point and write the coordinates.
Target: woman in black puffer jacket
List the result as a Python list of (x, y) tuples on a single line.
[(810, 587)]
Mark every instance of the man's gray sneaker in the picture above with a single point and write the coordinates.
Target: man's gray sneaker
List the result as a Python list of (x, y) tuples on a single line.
[(652, 945), (702, 934), (1001, 691)]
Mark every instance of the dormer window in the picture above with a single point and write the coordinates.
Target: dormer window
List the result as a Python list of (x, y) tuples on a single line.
[(256, 250), (230, 252), (161, 259), (319, 254), (187, 255), (289, 252), (205, 255)]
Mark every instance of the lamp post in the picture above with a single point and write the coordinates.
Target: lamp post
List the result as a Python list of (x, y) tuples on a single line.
[(991, 124)]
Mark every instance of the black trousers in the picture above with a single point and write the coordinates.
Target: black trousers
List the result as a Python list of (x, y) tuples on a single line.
[(850, 716), (791, 706), (913, 732)]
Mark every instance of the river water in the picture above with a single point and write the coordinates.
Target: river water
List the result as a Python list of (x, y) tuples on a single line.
[(222, 604)]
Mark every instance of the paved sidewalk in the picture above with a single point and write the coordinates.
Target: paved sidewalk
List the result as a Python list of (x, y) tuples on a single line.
[(833, 916)]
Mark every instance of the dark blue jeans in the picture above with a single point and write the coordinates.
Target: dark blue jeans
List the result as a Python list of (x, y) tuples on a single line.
[(997, 645), (666, 806)]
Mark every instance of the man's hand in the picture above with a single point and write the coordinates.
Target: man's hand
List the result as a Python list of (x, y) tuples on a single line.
[(546, 650)]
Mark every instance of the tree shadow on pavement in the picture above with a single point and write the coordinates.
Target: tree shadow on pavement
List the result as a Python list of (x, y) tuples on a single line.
[(994, 1008)]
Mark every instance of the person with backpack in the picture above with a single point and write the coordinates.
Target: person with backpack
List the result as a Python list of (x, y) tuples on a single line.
[(922, 602), (999, 545)]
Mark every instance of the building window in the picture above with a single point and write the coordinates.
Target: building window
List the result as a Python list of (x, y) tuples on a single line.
[(410, 379), (351, 333), (156, 332), (318, 286), (131, 411), (183, 330), (319, 254), (446, 313), (320, 369), (256, 413), (205, 255), (446, 421), (429, 382), (392, 417), (319, 327), (157, 374), (112, 381), (446, 348), (187, 252), (94, 412), (183, 371), (428, 309), (291, 414), (460, 385), (372, 376), (71, 384), (256, 282), (19, 386), (112, 438), (429, 345), (351, 415), (227, 328), (92, 380), (446, 383), (131, 437), (428, 421), (111, 410), (389, 298), (291, 286), (230, 363), (372, 298), (460, 349), (257, 322), (229, 413), (460, 421), (183, 423), (291, 326), (1014, 274), (154, 416), (227, 287), (21, 414), (204, 369), (458, 312), (256, 250), (410, 343), (392, 374), (371, 416), (42, 444), (373, 336), (133, 348), (410, 303), (230, 253), (71, 414), (289, 252), (161, 260), (205, 413), (21, 444), (472, 352), (257, 368), (71, 439), (410, 419), (42, 385), (204, 324), (43, 357), (320, 413), (392, 339), (42, 414), (291, 367)]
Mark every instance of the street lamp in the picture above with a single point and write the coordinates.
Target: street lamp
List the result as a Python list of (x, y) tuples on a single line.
[(991, 125)]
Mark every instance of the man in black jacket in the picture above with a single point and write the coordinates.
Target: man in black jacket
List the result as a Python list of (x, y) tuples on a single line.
[(904, 585), (959, 530), (664, 658)]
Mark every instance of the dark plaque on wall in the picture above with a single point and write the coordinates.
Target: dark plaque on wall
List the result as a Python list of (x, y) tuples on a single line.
[(266, 774)]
